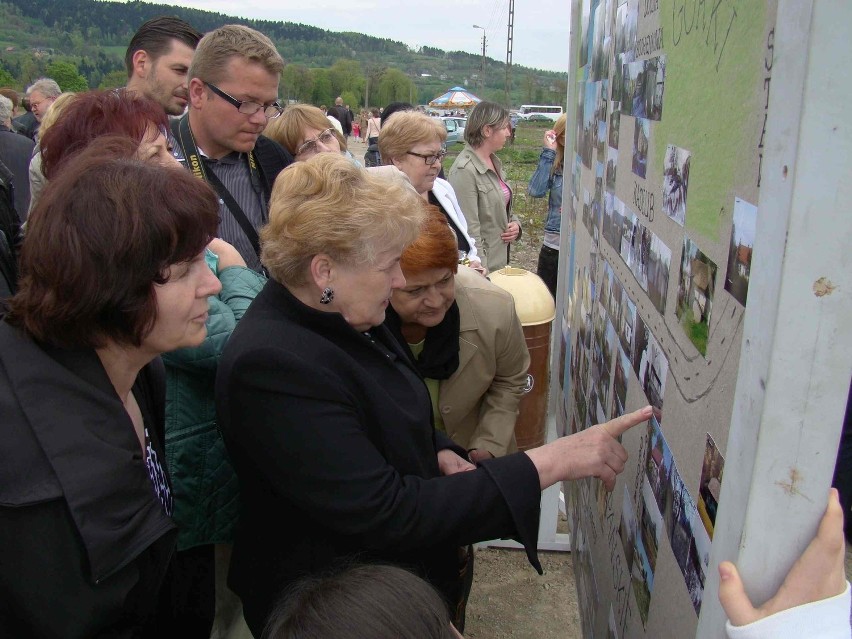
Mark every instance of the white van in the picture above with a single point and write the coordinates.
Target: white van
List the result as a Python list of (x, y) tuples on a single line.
[(539, 112)]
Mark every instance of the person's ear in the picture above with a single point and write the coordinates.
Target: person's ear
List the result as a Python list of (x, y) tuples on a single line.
[(322, 267), (141, 63), (197, 92)]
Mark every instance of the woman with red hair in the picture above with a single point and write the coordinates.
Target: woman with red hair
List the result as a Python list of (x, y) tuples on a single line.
[(91, 115)]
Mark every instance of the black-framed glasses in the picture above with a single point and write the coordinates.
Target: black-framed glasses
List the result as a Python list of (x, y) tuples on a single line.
[(430, 158), (310, 146), (271, 111)]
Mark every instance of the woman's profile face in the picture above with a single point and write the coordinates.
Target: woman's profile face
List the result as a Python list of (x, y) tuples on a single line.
[(155, 148), (500, 133), (182, 306), (426, 297), (314, 141), (362, 293), (420, 173)]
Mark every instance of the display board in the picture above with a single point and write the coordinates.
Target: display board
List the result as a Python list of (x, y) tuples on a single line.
[(670, 152)]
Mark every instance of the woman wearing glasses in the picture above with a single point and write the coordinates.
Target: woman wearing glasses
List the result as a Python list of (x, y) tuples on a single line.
[(304, 131), (480, 184), (414, 144)]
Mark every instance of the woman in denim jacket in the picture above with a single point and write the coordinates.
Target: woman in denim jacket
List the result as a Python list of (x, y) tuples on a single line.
[(548, 177)]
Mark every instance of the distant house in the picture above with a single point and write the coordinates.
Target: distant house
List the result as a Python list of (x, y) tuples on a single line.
[(743, 260)]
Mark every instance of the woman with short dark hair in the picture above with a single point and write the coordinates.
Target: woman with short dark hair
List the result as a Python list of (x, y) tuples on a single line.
[(112, 275), (483, 192)]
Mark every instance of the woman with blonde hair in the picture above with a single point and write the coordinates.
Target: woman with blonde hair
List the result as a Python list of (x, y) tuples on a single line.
[(547, 180), (414, 143), (327, 420), (482, 190), (304, 131)]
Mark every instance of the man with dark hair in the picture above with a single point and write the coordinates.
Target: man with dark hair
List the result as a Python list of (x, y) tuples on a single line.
[(342, 115), (15, 152), (158, 59)]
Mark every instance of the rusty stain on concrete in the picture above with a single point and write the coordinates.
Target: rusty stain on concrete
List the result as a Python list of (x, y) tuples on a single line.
[(823, 286)]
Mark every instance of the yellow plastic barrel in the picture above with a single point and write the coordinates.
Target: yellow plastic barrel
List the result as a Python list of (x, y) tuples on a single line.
[(536, 310)]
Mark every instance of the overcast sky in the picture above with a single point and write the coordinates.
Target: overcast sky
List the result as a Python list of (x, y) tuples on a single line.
[(540, 31)]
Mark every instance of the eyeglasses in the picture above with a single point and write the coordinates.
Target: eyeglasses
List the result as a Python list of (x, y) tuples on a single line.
[(310, 146), (271, 111), (431, 158)]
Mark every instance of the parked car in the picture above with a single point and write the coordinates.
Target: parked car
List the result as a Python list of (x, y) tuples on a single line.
[(455, 129)]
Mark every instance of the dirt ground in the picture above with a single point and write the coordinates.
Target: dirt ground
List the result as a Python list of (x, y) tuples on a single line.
[(510, 599)]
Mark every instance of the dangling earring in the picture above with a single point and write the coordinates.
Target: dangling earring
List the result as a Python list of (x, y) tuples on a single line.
[(327, 295)]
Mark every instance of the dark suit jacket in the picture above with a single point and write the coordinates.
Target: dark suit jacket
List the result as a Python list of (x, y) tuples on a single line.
[(330, 434), (15, 152)]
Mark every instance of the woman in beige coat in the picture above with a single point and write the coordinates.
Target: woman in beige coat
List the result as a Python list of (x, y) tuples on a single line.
[(483, 193), (467, 341)]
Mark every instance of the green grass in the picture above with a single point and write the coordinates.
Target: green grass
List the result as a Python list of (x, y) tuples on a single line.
[(696, 331)]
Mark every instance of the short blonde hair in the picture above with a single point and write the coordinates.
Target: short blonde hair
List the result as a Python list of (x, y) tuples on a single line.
[(405, 130), (217, 48), (289, 129), (329, 205), (54, 112)]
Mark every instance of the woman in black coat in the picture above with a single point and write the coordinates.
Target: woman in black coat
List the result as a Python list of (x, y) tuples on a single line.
[(113, 274), (328, 422)]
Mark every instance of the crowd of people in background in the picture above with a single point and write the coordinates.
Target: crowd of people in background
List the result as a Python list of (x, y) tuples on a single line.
[(245, 380)]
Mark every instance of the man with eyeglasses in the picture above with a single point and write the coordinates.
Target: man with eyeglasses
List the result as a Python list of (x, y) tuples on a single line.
[(233, 93)]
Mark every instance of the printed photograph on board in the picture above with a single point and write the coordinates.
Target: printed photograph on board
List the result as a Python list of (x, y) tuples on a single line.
[(675, 183), (695, 294), (626, 25), (654, 83), (599, 58), (658, 265), (611, 169), (628, 528), (710, 485), (641, 142), (685, 520), (626, 322), (739, 253), (659, 465), (619, 383), (650, 365), (614, 123)]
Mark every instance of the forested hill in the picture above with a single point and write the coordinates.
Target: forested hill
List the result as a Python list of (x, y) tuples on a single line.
[(92, 35)]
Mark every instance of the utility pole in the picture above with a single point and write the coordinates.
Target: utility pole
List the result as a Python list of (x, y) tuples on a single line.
[(481, 61), (509, 54)]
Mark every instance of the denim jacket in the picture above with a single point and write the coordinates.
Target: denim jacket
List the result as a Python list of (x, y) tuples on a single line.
[(542, 181)]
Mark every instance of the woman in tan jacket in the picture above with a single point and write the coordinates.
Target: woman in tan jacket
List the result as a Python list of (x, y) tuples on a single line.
[(467, 342), (483, 193)]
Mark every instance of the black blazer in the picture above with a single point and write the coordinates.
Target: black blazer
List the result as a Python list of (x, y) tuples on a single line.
[(331, 437)]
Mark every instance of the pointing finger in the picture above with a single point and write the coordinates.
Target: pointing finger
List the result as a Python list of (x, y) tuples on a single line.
[(615, 427)]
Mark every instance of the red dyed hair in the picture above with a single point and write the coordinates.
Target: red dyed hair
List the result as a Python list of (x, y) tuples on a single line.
[(93, 114), (103, 233), (435, 247)]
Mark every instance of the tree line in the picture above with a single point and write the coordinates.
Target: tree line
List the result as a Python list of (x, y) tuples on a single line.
[(87, 38)]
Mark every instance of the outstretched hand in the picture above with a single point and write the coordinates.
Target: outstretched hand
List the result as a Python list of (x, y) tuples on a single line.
[(817, 574), (594, 452)]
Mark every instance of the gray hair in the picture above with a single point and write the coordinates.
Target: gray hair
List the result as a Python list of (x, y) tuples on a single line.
[(5, 108), (47, 87), (484, 114)]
